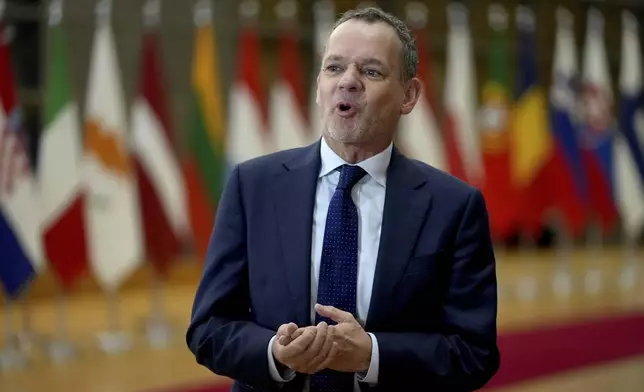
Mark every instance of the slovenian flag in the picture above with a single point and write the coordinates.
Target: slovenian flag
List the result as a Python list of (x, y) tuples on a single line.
[(598, 124), (568, 178)]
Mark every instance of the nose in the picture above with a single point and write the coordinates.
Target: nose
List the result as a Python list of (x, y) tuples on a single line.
[(350, 80)]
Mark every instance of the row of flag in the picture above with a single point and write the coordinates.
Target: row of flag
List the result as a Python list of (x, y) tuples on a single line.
[(107, 194), (532, 154)]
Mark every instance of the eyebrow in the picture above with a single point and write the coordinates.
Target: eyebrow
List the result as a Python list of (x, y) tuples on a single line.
[(368, 60)]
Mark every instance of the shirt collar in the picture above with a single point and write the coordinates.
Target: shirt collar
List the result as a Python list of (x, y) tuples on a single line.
[(376, 166)]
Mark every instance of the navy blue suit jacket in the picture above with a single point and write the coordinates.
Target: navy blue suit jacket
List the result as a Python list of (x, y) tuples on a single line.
[(434, 302)]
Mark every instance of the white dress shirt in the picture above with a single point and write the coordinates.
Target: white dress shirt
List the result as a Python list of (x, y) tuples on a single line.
[(369, 197)]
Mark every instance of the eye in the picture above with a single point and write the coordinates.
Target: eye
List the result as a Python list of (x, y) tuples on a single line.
[(372, 73), (332, 68)]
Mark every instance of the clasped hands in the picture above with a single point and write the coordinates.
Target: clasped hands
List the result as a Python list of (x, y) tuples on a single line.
[(344, 347)]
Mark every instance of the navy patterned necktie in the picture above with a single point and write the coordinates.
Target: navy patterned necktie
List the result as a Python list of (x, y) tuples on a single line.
[(338, 279)]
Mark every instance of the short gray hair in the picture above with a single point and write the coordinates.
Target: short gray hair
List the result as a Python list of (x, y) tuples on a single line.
[(372, 15)]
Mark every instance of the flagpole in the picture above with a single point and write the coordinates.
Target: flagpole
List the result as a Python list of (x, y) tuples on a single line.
[(27, 337), (61, 349), (114, 340), (11, 357), (500, 254), (562, 279), (594, 245), (158, 329), (527, 287), (629, 273)]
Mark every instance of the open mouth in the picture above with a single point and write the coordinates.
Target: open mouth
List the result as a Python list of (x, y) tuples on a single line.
[(345, 109)]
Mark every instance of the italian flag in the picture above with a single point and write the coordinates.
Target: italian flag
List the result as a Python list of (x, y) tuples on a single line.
[(62, 194)]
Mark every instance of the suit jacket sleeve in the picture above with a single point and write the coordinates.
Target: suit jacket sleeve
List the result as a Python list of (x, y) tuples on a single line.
[(464, 356), (221, 334)]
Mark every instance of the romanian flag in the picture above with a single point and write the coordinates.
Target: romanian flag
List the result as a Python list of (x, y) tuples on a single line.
[(531, 142)]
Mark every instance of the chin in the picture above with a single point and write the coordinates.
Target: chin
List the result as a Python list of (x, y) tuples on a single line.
[(345, 135)]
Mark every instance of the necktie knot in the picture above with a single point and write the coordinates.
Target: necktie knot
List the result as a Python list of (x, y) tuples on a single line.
[(350, 176)]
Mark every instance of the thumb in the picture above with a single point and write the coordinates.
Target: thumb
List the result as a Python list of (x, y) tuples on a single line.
[(335, 314)]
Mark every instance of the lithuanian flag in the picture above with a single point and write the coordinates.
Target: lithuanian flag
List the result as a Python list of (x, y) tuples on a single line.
[(205, 165)]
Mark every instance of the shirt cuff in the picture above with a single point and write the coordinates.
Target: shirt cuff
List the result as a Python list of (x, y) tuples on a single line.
[(371, 377), (288, 375)]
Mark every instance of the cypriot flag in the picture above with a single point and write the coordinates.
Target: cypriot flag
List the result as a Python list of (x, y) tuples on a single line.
[(114, 226)]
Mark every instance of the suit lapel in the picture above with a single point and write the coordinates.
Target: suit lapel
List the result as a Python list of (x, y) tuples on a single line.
[(406, 204), (294, 195)]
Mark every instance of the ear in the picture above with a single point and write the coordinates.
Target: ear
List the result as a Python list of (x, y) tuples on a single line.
[(317, 89), (413, 89)]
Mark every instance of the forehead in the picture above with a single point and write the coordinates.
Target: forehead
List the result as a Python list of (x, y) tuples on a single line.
[(356, 39)]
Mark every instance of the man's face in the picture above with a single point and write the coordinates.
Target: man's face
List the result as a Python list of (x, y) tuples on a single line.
[(360, 92)]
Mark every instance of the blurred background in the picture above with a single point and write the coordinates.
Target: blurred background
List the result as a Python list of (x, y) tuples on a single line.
[(120, 120)]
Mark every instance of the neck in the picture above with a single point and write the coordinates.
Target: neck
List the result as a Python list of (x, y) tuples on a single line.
[(356, 152)]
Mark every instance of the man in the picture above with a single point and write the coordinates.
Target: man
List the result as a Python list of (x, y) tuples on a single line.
[(344, 265)]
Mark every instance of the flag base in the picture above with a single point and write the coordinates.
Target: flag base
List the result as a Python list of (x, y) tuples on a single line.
[(114, 342), (562, 283), (12, 358), (628, 276), (593, 281), (629, 272), (159, 333), (527, 289), (61, 351)]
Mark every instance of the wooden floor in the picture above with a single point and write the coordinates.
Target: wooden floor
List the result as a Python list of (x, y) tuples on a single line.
[(533, 292)]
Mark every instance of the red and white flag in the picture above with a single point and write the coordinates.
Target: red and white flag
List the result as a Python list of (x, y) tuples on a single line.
[(249, 133), (289, 120), (159, 176), (462, 141), (419, 133)]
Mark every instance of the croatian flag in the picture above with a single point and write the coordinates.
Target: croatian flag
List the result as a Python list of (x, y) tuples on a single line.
[(20, 239), (629, 146), (20, 254)]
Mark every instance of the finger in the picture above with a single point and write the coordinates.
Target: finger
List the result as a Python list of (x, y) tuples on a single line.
[(297, 333), (316, 362), (315, 347), (335, 314), (301, 343), (286, 329), (326, 364), (285, 332)]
